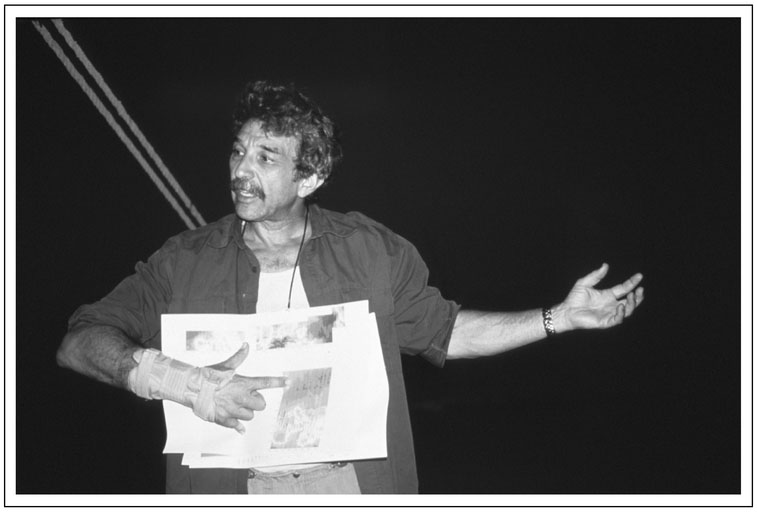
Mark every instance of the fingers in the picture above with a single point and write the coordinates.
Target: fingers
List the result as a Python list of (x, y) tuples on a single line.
[(635, 297), (240, 392), (639, 295), (266, 382), (592, 278), (620, 314), (237, 413), (239, 399), (232, 423), (230, 410), (250, 398), (621, 290), (245, 414), (253, 401), (625, 308), (633, 300), (630, 303)]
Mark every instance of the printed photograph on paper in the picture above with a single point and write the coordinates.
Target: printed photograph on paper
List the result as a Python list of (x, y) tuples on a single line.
[(298, 332), (302, 412), (215, 341)]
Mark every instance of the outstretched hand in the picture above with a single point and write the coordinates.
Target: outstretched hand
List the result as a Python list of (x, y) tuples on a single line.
[(586, 307), (238, 399)]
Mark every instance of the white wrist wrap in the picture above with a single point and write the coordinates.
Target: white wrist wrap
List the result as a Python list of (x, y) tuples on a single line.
[(160, 377)]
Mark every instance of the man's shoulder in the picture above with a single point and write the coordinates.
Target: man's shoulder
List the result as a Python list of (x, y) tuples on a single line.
[(360, 230), (352, 223), (215, 234)]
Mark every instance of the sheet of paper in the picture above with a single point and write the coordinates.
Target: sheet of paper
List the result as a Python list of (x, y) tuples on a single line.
[(333, 409)]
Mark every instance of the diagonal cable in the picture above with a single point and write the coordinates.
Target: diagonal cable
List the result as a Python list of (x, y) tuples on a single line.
[(113, 123), (127, 119)]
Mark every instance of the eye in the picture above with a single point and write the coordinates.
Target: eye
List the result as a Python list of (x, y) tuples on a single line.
[(236, 152), (266, 159)]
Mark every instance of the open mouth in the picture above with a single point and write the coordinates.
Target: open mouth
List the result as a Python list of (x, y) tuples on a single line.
[(246, 189)]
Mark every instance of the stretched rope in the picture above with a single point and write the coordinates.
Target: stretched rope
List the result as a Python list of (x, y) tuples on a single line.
[(129, 122), (117, 128)]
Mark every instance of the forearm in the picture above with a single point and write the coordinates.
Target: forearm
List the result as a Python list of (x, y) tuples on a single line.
[(479, 333), (214, 393), (107, 355), (101, 352)]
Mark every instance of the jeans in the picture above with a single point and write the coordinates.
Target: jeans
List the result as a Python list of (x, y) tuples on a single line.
[(335, 478)]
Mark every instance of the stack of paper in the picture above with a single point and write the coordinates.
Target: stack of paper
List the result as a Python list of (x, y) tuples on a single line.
[(333, 409)]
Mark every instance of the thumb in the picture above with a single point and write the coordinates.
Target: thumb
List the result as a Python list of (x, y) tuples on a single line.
[(235, 360), (594, 277)]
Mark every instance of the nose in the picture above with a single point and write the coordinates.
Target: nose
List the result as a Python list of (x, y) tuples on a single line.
[(242, 167)]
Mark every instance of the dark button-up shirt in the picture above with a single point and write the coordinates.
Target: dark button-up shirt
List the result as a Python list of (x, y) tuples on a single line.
[(349, 257)]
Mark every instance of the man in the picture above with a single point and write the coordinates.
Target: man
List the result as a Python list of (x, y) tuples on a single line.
[(278, 251)]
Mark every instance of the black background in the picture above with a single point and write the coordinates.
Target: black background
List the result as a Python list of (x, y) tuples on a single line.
[(517, 154)]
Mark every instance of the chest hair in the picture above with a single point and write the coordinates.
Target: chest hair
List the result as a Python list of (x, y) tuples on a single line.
[(275, 259)]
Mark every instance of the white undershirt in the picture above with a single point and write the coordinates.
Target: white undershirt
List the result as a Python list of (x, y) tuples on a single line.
[(273, 291), (273, 294)]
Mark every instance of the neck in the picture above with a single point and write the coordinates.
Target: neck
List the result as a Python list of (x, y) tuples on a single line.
[(274, 233)]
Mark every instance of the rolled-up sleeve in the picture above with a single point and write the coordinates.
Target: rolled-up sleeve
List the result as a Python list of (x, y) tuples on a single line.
[(423, 318), (135, 305)]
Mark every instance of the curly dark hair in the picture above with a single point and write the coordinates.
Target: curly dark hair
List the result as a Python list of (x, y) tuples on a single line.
[(284, 111)]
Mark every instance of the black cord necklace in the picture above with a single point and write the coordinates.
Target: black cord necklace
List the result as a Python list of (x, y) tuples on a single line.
[(296, 261)]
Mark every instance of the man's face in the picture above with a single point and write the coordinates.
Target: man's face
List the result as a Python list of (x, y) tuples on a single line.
[(262, 174)]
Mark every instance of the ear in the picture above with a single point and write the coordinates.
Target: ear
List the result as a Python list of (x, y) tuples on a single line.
[(309, 185)]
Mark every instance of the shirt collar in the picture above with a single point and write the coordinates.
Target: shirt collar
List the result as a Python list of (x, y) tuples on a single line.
[(229, 228), (323, 223)]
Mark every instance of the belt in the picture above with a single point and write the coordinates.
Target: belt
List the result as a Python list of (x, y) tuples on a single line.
[(251, 473)]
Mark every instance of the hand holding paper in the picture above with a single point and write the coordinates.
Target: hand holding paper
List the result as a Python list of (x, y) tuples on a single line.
[(239, 398), (214, 393), (334, 403)]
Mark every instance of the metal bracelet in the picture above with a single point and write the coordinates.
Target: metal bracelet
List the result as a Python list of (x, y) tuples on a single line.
[(549, 326)]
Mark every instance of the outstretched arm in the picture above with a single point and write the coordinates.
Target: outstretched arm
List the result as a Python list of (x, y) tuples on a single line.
[(478, 333)]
